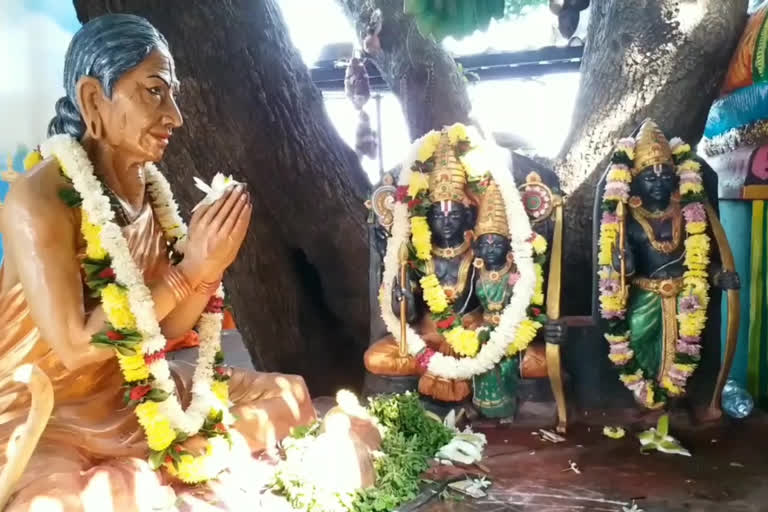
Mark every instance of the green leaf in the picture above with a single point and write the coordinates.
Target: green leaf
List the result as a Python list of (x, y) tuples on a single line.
[(157, 395), (126, 351), (663, 425), (156, 459), (70, 197)]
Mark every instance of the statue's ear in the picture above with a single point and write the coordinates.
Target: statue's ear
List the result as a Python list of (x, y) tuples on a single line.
[(91, 100)]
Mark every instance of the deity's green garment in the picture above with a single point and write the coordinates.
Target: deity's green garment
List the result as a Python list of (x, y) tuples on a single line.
[(495, 391), (652, 316)]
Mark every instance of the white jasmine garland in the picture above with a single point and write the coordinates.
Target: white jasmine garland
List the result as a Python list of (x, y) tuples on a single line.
[(514, 313), (78, 168)]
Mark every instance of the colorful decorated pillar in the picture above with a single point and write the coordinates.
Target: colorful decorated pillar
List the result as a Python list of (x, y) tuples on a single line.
[(735, 144)]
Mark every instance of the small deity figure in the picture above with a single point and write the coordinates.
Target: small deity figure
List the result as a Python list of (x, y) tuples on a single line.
[(448, 223), (100, 275), (494, 392), (656, 266)]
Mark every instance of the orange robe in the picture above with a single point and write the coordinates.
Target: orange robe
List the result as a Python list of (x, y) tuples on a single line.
[(91, 433)]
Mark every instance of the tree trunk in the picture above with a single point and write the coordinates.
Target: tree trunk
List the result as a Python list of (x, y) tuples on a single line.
[(663, 59), (299, 285), (424, 77)]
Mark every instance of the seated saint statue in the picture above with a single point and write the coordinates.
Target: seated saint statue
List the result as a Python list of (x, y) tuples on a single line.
[(657, 262), (95, 282), (449, 218)]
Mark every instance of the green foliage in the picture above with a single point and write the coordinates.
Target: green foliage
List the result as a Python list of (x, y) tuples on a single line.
[(411, 439), (515, 7), (404, 414)]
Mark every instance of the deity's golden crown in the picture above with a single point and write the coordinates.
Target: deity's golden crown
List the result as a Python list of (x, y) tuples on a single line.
[(492, 215), (652, 148), (448, 180)]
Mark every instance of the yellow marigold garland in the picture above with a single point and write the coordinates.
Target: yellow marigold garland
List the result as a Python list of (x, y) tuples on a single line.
[(463, 341), (93, 248), (421, 237), (433, 294), (114, 300)]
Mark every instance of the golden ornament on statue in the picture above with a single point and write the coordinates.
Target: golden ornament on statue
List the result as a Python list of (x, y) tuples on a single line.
[(448, 180), (652, 148), (492, 214)]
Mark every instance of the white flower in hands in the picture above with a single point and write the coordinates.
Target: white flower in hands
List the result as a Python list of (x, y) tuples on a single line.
[(218, 187)]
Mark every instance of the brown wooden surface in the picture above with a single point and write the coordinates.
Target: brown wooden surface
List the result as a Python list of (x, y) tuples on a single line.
[(299, 287)]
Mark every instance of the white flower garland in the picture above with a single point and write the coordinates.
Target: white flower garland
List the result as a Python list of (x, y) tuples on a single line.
[(514, 313), (96, 205)]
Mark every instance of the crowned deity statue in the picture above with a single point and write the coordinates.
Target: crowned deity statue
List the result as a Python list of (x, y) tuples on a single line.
[(100, 275), (661, 250), (495, 391), (442, 237), (459, 294)]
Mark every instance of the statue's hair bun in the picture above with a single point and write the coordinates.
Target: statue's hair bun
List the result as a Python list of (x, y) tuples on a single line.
[(67, 119)]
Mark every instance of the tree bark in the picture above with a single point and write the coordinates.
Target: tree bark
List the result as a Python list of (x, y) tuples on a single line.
[(422, 75), (663, 59), (299, 285)]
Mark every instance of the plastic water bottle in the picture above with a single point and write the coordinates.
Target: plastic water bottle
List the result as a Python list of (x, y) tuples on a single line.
[(737, 402)]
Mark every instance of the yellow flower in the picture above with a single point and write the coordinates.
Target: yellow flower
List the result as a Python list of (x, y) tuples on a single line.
[(158, 429), (114, 300), (417, 183), (617, 338), (456, 133), (631, 378), (620, 358), (463, 341), (697, 252), (539, 244), (670, 386), (133, 367), (524, 335), (692, 324), (32, 160), (433, 294), (538, 292), (650, 399), (694, 188), (93, 248), (608, 237), (221, 390), (421, 237), (620, 173), (696, 227), (195, 470), (428, 147), (611, 302)]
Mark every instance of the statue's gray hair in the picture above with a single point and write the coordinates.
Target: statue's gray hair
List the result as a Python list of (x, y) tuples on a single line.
[(105, 48)]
